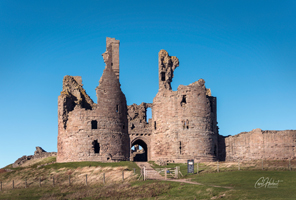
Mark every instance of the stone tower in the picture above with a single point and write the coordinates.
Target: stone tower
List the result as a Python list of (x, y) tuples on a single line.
[(89, 131), (184, 121)]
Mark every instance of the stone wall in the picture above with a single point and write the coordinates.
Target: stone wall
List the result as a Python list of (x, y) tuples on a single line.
[(138, 128), (259, 144)]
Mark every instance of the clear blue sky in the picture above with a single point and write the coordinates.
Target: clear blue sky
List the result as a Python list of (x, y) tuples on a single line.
[(244, 50)]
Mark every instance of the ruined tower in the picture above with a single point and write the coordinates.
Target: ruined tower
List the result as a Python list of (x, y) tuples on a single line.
[(184, 121), (89, 131)]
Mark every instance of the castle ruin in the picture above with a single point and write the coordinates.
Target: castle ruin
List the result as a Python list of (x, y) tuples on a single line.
[(183, 124)]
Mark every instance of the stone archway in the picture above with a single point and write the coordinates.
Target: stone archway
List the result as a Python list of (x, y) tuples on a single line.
[(139, 154)]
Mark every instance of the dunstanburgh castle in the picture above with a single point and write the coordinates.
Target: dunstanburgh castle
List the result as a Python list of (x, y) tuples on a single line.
[(183, 124)]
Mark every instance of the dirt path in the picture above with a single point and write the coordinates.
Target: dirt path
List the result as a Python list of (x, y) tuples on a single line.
[(154, 175)]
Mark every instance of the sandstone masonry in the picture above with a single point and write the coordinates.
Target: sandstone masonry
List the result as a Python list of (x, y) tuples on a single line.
[(183, 124)]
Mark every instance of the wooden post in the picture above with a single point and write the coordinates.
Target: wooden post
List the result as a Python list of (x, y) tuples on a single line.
[(86, 179), (238, 165), (69, 179), (39, 181), (262, 164), (134, 170), (217, 166), (144, 170), (104, 178), (197, 168), (26, 183), (12, 184), (122, 175), (165, 173), (177, 172)]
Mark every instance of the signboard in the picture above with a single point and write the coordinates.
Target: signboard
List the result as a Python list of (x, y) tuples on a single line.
[(190, 166)]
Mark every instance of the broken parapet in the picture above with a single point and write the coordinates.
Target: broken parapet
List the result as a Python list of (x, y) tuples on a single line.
[(166, 66), (39, 153)]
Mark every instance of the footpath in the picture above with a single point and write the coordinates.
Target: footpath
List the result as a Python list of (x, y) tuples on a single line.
[(153, 174)]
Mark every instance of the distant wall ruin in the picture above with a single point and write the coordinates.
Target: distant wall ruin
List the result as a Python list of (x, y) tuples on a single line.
[(258, 144)]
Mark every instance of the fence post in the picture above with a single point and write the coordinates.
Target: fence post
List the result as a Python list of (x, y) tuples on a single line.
[(217, 166), (12, 184), (238, 165), (122, 175), (177, 172), (134, 170), (165, 173), (104, 178), (39, 181), (144, 171), (86, 179), (197, 168)]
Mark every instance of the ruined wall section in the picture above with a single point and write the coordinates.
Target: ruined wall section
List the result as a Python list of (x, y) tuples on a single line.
[(138, 127), (184, 122), (259, 144), (166, 67)]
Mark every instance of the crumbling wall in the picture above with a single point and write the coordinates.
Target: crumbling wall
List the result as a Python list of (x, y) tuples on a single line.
[(39, 153), (259, 144), (166, 67), (138, 127), (94, 132), (184, 121)]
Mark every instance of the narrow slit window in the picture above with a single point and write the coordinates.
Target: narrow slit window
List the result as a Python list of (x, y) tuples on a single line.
[(162, 74), (94, 124), (187, 124), (154, 125), (117, 108), (180, 147)]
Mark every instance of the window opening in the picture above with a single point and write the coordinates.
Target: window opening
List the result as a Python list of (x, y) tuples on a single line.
[(162, 76), (180, 147), (133, 126), (148, 114), (117, 108), (187, 124), (94, 124), (96, 146), (183, 102), (154, 125)]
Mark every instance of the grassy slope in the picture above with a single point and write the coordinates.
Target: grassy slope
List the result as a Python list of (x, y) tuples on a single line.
[(242, 183)]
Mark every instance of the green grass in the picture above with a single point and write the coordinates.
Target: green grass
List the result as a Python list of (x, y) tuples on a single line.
[(243, 183), (228, 184)]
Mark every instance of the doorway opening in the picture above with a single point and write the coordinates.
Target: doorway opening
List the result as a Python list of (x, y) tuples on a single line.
[(139, 151)]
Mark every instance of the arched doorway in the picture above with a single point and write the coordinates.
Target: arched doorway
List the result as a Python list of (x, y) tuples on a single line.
[(139, 151)]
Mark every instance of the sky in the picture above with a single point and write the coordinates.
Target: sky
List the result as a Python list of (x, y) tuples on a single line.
[(244, 50)]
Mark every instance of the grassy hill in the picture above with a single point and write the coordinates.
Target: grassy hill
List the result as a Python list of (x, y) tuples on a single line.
[(229, 183)]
